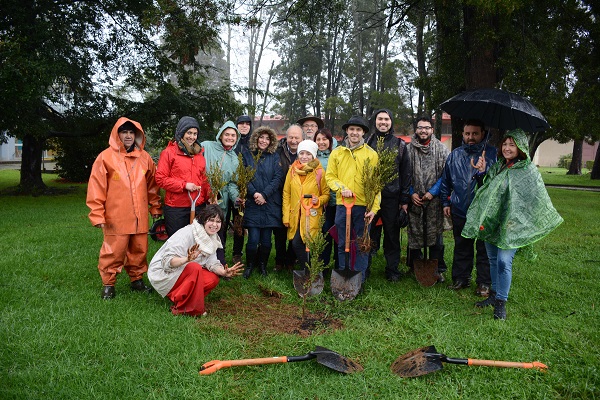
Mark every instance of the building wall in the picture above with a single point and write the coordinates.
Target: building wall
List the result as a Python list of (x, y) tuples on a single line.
[(550, 151)]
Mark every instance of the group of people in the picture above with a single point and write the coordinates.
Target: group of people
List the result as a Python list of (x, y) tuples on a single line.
[(303, 179)]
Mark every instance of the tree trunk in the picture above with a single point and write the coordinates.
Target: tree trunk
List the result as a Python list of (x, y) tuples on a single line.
[(596, 168), (575, 167), (31, 165), (420, 50)]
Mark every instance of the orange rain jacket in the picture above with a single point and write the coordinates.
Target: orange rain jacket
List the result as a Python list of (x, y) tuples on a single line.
[(122, 186)]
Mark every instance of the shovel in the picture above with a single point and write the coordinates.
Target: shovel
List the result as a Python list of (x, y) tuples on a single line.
[(301, 277), (193, 208), (324, 356), (426, 270), (346, 283), (426, 360)]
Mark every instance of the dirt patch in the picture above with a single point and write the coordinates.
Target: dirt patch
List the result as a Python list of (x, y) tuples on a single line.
[(258, 316)]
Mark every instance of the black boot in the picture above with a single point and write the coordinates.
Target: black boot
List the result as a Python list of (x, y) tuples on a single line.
[(250, 256), (500, 309), (490, 301), (264, 259)]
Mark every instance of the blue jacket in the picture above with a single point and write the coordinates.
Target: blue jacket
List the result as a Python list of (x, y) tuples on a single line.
[(458, 183), (267, 180)]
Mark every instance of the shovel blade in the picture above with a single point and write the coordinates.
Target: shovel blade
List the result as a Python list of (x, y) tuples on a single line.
[(301, 283), (426, 272), (345, 284), (335, 361), (416, 363)]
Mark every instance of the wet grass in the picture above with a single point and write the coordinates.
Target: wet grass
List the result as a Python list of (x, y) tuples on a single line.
[(61, 341)]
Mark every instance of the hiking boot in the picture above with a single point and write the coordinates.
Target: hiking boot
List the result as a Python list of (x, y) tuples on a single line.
[(500, 309), (458, 285), (490, 301), (237, 258), (482, 290), (108, 292)]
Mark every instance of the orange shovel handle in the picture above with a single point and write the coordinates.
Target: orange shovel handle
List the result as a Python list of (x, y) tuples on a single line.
[(507, 364), (215, 365), (348, 206)]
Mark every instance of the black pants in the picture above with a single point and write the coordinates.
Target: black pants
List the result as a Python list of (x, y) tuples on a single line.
[(391, 235), (178, 217), (462, 266), (435, 252), (284, 251), (238, 240), (300, 249)]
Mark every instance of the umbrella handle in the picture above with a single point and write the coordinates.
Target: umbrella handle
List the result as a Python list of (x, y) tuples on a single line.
[(482, 155), (507, 364)]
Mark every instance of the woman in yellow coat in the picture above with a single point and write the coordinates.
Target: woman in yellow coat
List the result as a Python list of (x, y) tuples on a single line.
[(305, 177)]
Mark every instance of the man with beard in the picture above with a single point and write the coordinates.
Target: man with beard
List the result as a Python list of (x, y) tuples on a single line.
[(394, 196), (457, 193), (427, 158)]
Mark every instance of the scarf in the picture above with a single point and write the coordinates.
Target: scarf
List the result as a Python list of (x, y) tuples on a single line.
[(187, 150), (305, 169), (208, 244)]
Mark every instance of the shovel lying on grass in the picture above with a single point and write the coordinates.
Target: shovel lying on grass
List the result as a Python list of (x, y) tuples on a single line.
[(326, 357), (426, 360)]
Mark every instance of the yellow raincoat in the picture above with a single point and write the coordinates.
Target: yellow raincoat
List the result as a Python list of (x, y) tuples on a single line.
[(293, 191)]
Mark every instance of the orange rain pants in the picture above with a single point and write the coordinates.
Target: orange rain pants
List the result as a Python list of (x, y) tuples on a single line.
[(120, 251)]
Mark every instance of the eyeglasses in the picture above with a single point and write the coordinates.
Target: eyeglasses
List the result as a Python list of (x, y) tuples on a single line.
[(310, 126), (424, 128)]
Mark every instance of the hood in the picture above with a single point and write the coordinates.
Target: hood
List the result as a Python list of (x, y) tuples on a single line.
[(253, 142), (115, 142), (229, 124), (520, 138)]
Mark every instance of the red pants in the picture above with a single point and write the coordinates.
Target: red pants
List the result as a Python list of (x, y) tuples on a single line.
[(189, 291), (120, 251)]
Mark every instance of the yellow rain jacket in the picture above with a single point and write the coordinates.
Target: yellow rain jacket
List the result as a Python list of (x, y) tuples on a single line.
[(122, 186), (345, 171), (293, 191)]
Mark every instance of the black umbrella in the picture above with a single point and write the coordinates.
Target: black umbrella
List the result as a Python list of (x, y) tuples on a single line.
[(496, 108)]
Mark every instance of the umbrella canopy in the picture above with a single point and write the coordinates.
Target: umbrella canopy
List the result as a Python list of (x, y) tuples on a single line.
[(496, 108)]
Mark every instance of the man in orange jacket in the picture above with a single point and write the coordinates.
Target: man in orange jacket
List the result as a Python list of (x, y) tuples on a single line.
[(120, 189)]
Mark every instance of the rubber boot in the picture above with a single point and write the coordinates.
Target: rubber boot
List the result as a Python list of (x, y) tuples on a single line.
[(500, 309), (250, 256), (264, 259), (490, 301)]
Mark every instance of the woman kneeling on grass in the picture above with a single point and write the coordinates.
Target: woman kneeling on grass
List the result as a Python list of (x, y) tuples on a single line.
[(510, 210), (186, 268)]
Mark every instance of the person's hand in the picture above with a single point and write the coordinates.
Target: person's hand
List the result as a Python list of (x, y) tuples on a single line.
[(347, 193), (191, 187), (156, 216), (193, 252), (447, 211), (101, 226), (235, 270), (404, 207), (239, 202), (427, 197), (416, 199), (315, 200), (481, 164), (259, 199), (369, 217)]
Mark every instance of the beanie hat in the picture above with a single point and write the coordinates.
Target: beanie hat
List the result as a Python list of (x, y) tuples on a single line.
[(184, 124), (127, 126), (243, 118), (308, 145)]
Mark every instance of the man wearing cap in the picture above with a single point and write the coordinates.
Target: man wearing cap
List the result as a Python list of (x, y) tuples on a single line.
[(427, 159), (345, 176), (394, 196), (120, 190), (285, 256), (310, 125)]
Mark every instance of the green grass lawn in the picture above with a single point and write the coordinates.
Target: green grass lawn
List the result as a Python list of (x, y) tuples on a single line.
[(61, 341), (558, 176)]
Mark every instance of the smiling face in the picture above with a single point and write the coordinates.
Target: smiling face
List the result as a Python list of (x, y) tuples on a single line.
[(212, 225), (510, 151), (305, 156), (355, 134), (322, 142), (264, 141), (244, 127), (190, 136), (310, 128), (294, 136), (127, 137), (228, 137), (472, 134), (424, 131), (383, 122)]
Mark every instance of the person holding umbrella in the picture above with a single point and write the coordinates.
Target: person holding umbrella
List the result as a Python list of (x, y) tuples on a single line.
[(510, 210), (456, 192)]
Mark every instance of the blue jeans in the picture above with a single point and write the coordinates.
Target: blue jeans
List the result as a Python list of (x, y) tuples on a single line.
[(357, 225), (256, 235), (500, 269)]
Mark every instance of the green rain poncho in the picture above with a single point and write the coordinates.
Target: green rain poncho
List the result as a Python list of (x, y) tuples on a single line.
[(512, 208)]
